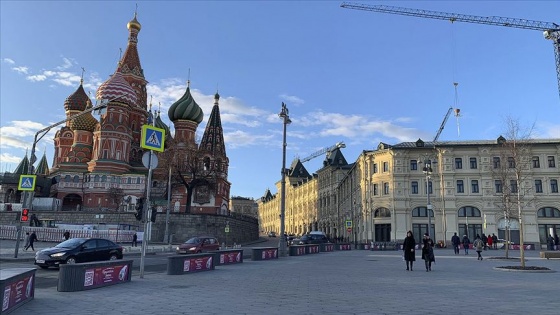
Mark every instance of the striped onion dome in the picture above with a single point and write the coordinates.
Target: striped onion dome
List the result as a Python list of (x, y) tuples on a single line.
[(117, 89), (84, 122), (77, 100), (186, 108)]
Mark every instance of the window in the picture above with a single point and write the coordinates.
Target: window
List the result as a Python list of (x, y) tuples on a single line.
[(538, 186), (460, 186), (375, 189), (496, 162), (458, 163), (422, 212), (474, 186), (511, 162), (548, 212), (385, 188), (513, 186), (468, 212), (429, 188), (385, 167), (472, 162), (554, 185), (536, 162), (413, 165), (498, 185), (551, 161), (382, 213), (375, 168), (414, 188), (471, 230), (418, 231)]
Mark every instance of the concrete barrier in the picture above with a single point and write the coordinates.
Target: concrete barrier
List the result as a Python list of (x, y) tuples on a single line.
[(297, 250), (312, 248), (17, 287), (326, 247), (264, 253), (550, 254), (228, 257), (181, 264), (93, 275), (342, 246)]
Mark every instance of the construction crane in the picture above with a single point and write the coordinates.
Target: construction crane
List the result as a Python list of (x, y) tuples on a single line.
[(551, 31), (323, 151), (451, 109)]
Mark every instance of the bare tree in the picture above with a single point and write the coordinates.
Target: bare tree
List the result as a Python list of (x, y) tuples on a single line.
[(192, 169), (116, 195), (512, 168)]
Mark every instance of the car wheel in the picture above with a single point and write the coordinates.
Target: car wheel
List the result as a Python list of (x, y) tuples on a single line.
[(113, 257), (44, 267), (71, 260)]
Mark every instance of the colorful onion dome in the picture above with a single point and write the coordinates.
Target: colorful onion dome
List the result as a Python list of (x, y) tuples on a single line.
[(186, 108), (77, 100), (84, 122), (117, 89), (134, 24), (160, 124)]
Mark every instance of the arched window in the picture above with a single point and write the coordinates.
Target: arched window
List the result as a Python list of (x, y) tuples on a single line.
[(382, 213), (469, 212), (137, 180), (76, 179), (422, 212), (206, 163), (104, 178), (548, 212), (67, 178), (96, 178)]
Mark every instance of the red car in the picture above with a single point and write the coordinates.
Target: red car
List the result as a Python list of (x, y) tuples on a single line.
[(198, 244)]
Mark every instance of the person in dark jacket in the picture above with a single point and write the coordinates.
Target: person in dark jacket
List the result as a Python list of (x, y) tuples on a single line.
[(408, 250), (66, 235), (32, 239), (428, 251), (134, 240), (484, 239), (466, 243), (556, 240), (456, 241)]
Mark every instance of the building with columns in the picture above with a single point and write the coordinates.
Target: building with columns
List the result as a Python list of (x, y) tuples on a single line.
[(471, 184)]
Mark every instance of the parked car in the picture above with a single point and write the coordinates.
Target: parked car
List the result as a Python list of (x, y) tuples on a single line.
[(78, 250), (313, 238), (271, 234), (198, 244)]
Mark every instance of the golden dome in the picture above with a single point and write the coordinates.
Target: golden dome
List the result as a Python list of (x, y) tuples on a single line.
[(134, 24)]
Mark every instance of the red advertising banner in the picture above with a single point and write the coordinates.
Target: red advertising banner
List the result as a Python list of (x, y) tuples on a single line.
[(102, 276), (197, 264), (17, 292), (269, 254), (230, 258)]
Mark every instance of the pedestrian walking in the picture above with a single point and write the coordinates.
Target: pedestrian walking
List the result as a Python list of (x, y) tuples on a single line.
[(428, 251), (134, 240), (32, 239), (466, 243), (66, 235), (484, 239), (456, 241), (26, 241), (490, 241), (495, 241), (550, 242), (556, 239), (478, 244), (408, 250)]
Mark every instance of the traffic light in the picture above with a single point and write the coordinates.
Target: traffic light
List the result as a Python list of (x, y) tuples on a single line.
[(139, 209), (24, 215), (153, 215)]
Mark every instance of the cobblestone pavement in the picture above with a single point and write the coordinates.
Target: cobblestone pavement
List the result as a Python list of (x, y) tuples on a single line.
[(341, 282)]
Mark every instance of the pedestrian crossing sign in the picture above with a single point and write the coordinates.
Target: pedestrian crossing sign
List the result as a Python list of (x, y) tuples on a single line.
[(27, 182), (153, 138)]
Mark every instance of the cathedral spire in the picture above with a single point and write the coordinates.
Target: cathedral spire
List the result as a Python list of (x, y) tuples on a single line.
[(213, 138)]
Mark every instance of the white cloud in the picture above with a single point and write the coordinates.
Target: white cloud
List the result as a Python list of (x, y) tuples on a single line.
[(22, 70), (68, 63), (36, 77), (292, 100), (9, 158), (239, 138), (8, 60), (19, 134)]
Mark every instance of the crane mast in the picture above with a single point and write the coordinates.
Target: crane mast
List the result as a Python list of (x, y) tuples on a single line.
[(551, 31), (451, 109), (323, 151)]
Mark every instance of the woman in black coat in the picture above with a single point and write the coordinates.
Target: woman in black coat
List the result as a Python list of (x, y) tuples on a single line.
[(428, 251), (408, 249)]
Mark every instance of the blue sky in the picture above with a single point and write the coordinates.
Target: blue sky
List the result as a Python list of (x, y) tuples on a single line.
[(346, 75)]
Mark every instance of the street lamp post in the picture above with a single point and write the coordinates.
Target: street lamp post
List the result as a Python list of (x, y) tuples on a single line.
[(282, 245), (428, 171)]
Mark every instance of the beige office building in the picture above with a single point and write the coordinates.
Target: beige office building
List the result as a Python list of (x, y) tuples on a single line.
[(474, 187)]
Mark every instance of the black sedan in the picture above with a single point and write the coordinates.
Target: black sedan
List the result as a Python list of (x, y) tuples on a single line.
[(78, 250)]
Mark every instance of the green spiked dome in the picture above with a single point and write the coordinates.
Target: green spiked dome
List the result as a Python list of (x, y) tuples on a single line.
[(186, 108)]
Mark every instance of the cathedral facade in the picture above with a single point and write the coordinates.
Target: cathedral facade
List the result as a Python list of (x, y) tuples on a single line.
[(97, 163)]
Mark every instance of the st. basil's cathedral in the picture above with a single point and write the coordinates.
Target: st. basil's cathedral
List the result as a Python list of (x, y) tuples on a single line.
[(93, 158)]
